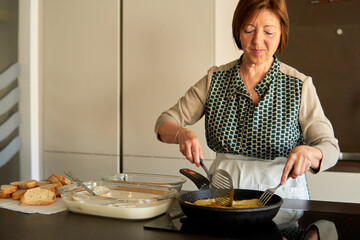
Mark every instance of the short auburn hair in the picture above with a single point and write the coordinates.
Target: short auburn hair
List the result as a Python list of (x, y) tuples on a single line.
[(246, 9)]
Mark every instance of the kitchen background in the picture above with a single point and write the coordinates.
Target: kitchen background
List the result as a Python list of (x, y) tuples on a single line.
[(94, 76)]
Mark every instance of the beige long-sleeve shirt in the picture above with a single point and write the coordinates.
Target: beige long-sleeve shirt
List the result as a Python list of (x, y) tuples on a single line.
[(289, 112)]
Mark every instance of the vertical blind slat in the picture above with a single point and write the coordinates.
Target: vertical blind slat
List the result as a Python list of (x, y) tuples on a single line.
[(10, 125), (9, 151), (8, 77), (9, 100)]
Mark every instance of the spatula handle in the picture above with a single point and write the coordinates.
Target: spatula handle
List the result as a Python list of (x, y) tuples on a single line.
[(199, 180), (205, 169)]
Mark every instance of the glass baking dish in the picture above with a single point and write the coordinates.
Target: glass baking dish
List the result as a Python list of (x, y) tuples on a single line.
[(125, 201), (173, 182)]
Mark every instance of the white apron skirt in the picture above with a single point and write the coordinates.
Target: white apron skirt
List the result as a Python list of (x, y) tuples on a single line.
[(255, 174)]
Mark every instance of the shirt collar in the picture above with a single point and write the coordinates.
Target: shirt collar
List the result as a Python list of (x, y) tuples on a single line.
[(262, 87)]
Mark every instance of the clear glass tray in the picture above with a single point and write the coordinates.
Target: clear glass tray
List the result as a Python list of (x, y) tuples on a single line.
[(126, 201), (174, 182)]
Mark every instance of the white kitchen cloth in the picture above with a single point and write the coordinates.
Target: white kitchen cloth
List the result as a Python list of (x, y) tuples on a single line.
[(57, 206)]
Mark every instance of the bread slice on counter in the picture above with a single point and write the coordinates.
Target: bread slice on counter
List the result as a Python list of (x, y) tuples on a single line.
[(52, 187), (37, 197), (8, 189), (18, 194), (25, 184), (62, 179), (53, 179), (43, 182), (34, 193), (3, 195)]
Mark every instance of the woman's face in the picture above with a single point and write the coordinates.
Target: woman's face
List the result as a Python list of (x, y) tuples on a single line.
[(260, 37)]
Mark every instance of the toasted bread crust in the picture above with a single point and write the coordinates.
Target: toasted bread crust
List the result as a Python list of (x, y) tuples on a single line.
[(52, 187), (62, 179), (3, 195), (55, 180), (36, 203), (43, 182), (8, 189), (18, 194), (25, 184)]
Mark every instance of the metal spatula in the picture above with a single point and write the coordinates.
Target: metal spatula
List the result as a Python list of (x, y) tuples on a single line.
[(78, 181), (221, 186)]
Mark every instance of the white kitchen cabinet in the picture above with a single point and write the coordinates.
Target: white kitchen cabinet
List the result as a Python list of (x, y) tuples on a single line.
[(84, 166), (168, 46), (81, 85)]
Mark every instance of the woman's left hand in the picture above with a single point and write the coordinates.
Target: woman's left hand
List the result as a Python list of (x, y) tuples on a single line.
[(301, 159)]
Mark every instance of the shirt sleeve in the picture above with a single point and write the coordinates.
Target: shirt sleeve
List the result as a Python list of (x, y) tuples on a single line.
[(189, 109), (316, 128)]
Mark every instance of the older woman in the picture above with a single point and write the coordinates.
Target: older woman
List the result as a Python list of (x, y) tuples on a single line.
[(262, 117)]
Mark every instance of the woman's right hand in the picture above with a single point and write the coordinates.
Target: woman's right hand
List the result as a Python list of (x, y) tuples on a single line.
[(189, 145)]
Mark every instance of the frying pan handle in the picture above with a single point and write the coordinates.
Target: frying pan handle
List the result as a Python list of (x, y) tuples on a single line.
[(199, 180)]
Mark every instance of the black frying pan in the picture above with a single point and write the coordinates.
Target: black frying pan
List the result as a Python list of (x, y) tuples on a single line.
[(221, 215)]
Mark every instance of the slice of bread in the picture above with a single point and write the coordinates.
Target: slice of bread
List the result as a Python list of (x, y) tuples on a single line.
[(102, 191), (18, 194), (52, 187), (8, 189), (53, 179), (62, 179), (3, 195), (43, 182), (37, 197), (25, 184)]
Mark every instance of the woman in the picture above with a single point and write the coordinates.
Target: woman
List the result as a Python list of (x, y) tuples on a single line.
[(262, 117)]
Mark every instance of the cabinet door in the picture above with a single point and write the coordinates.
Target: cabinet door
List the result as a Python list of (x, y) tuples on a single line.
[(81, 85), (86, 167), (81, 76), (168, 47)]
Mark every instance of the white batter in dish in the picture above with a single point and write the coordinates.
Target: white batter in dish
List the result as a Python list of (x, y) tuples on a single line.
[(117, 203)]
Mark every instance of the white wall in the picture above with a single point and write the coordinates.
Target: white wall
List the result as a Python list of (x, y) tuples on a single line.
[(225, 47)]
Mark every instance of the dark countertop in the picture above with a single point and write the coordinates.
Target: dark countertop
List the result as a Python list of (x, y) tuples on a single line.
[(67, 225)]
